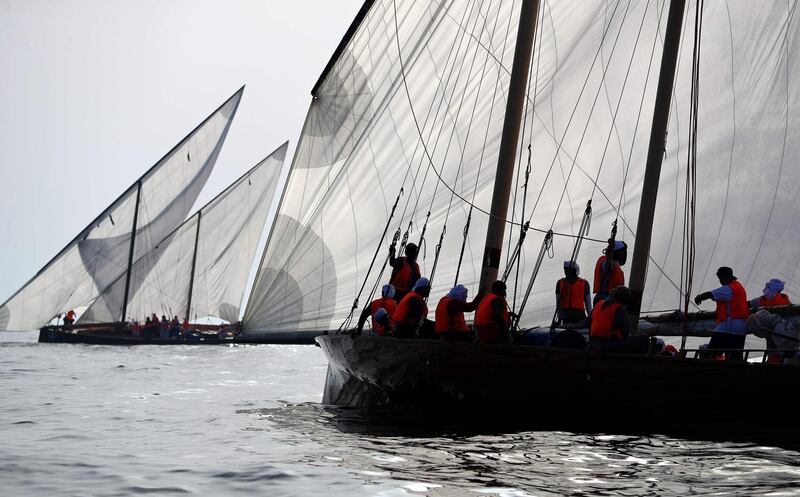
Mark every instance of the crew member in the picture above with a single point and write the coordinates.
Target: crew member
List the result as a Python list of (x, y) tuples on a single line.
[(609, 329), (608, 271), (573, 301), (450, 323), (412, 310), (493, 319), (69, 318), (773, 295), (382, 319), (405, 270), (387, 302), (732, 313)]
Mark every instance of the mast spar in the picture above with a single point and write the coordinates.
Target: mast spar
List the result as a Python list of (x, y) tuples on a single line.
[(508, 145), (130, 253), (655, 155)]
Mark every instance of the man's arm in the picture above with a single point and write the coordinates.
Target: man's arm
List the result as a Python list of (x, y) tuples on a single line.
[(587, 298), (363, 318), (621, 321), (393, 261), (498, 309)]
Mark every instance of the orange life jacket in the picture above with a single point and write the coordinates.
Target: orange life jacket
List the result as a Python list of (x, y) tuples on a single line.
[(612, 281), (737, 308), (401, 278), (400, 315), (389, 304), (484, 315), (449, 322), (71, 315), (571, 294), (603, 321), (780, 299)]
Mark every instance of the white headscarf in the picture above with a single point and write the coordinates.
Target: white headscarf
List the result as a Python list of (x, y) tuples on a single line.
[(458, 292)]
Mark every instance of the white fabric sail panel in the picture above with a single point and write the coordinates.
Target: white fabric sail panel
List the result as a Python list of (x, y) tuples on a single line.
[(588, 128), (744, 194), (449, 88), (230, 227), (229, 236), (99, 255)]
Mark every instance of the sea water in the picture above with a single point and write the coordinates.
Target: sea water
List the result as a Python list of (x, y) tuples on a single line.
[(247, 420)]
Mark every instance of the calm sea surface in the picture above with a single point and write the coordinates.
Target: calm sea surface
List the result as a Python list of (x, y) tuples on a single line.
[(246, 420)]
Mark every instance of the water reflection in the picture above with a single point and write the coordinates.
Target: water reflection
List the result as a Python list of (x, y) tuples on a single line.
[(416, 458)]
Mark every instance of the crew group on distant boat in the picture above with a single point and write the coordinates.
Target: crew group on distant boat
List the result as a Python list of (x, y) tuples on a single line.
[(162, 329), (402, 310)]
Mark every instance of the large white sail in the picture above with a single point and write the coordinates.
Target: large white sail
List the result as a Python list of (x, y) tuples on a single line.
[(201, 269), (158, 202), (415, 99)]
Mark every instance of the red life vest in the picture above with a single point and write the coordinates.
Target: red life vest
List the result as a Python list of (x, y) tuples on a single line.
[(449, 322), (389, 304), (603, 321), (71, 315), (780, 299), (737, 308), (485, 321), (401, 278), (400, 315), (613, 280), (571, 294)]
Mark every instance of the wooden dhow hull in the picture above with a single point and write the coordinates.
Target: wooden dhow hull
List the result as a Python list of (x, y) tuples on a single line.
[(552, 388), (110, 336)]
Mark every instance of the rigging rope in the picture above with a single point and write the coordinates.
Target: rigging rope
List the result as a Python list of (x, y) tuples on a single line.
[(349, 317), (687, 267), (546, 249)]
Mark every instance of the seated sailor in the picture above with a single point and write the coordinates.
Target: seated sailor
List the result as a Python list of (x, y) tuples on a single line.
[(409, 317), (493, 319), (405, 270), (773, 295), (608, 272), (382, 321), (386, 301), (609, 329), (450, 323), (573, 301), (732, 313)]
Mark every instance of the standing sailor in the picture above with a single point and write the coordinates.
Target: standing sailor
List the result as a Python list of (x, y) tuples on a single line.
[(386, 302), (405, 270), (450, 323), (493, 319), (773, 295), (608, 273), (732, 313), (412, 310), (573, 301)]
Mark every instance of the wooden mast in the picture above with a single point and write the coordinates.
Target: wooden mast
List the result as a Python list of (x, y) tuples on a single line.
[(194, 264), (130, 253), (655, 154), (508, 145)]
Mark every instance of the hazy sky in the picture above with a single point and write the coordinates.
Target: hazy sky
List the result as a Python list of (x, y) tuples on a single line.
[(94, 92)]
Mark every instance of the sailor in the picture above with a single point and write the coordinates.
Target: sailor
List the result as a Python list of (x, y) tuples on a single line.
[(773, 295), (405, 270), (450, 323), (732, 313), (381, 318), (412, 310), (493, 319), (573, 301), (608, 271), (69, 318), (609, 326), (387, 302)]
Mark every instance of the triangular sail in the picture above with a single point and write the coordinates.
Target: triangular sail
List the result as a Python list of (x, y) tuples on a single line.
[(99, 255), (207, 258), (415, 99)]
